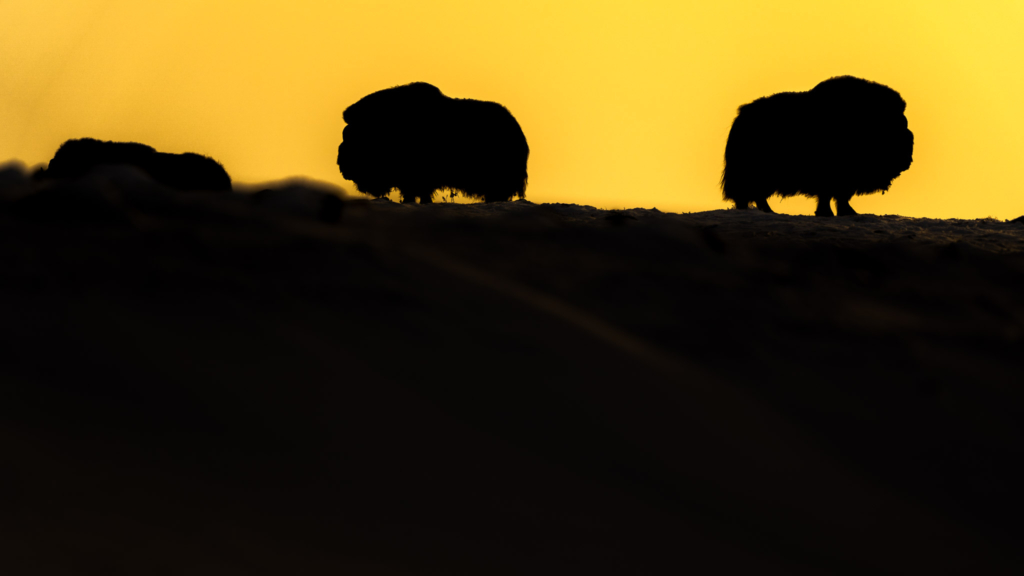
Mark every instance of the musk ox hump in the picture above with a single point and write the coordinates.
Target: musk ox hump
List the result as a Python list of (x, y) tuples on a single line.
[(406, 100), (76, 158)]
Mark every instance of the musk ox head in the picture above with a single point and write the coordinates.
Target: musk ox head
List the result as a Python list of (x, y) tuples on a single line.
[(844, 137), (76, 158), (416, 139)]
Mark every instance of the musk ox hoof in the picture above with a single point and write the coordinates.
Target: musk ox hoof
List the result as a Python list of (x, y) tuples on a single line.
[(763, 206), (846, 135), (416, 139)]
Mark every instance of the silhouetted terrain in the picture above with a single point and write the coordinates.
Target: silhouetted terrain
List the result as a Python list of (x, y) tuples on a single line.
[(197, 383), (416, 139), (846, 136)]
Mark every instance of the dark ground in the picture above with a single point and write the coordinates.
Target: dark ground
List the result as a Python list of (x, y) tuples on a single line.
[(196, 384)]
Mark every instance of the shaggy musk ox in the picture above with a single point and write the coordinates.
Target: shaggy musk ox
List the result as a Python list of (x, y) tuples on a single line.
[(416, 139), (844, 137), (76, 158)]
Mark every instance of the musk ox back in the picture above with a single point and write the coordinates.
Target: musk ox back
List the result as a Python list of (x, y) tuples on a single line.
[(416, 139), (844, 137), (76, 158)]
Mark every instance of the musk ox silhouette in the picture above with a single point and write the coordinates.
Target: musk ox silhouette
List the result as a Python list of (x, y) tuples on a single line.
[(844, 137), (76, 158), (416, 139)]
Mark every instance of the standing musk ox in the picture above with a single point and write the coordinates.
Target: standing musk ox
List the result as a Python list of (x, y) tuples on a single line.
[(76, 158), (844, 137), (416, 139)]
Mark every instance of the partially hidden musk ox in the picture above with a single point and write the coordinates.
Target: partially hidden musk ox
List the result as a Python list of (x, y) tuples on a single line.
[(844, 137), (416, 139), (76, 158)]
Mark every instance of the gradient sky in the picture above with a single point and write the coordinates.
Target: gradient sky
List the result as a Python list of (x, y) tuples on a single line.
[(625, 103)]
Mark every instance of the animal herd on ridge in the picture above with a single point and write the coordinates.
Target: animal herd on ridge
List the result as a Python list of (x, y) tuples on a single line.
[(845, 137)]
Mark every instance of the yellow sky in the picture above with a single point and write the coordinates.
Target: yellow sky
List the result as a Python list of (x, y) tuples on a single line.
[(624, 103)]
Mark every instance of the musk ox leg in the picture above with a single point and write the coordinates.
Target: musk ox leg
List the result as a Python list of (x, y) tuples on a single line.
[(763, 206), (824, 208), (741, 205), (425, 195), (411, 196), (843, 207)]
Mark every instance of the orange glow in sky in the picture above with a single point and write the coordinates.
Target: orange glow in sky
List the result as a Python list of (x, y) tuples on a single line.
[(624, 103)]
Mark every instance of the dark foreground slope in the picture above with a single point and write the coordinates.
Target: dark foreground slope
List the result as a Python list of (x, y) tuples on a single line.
[(195, 383)]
